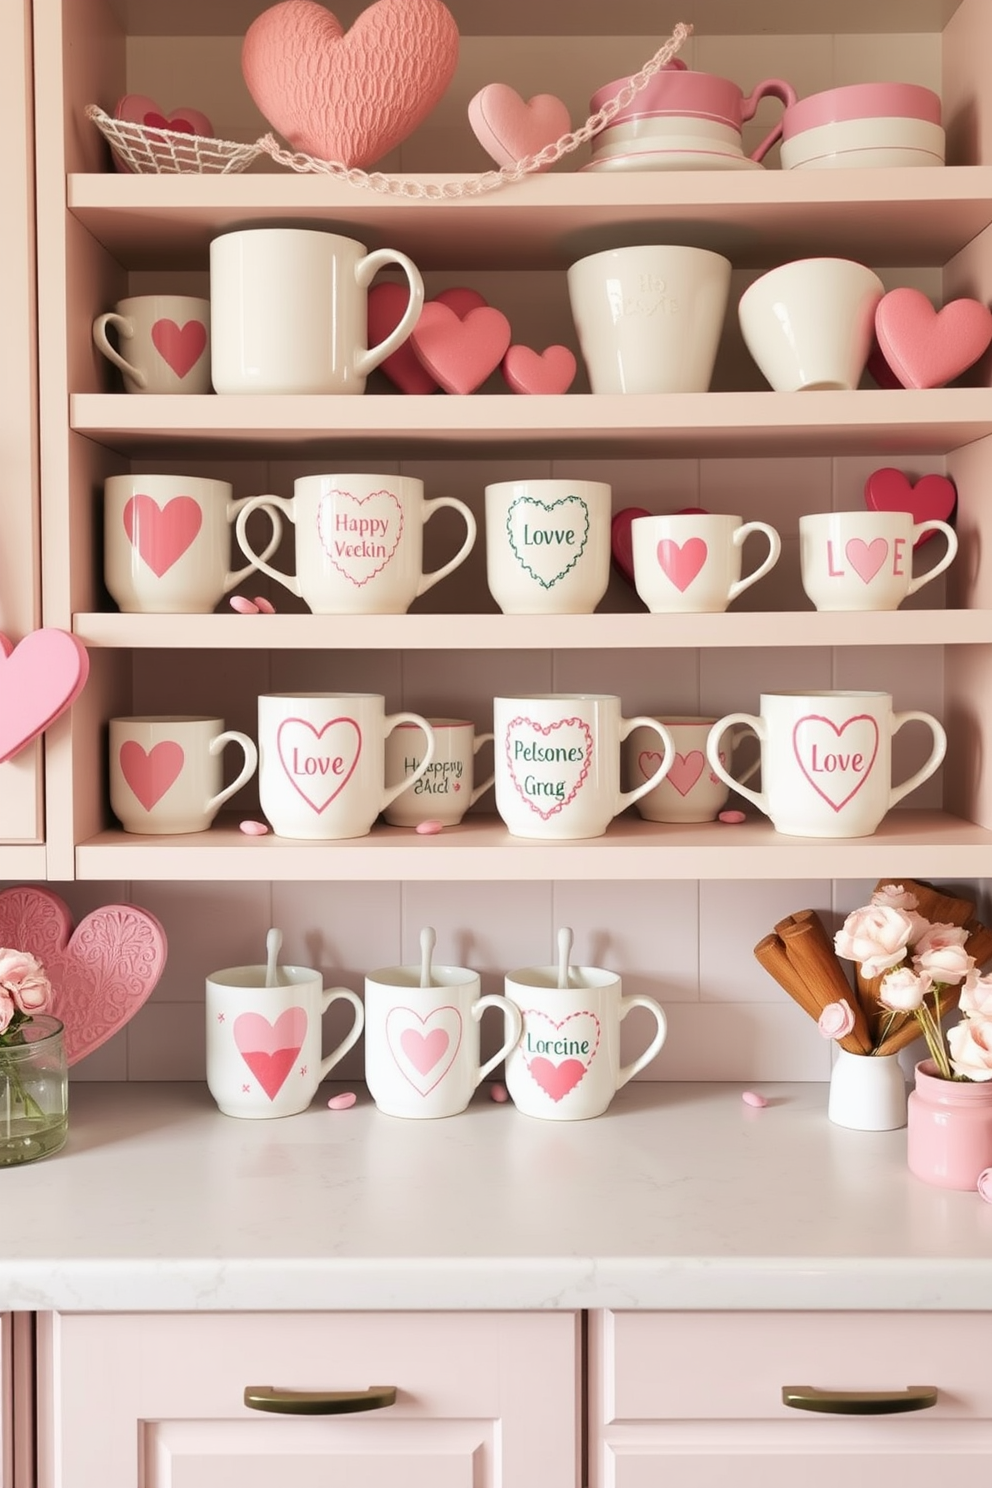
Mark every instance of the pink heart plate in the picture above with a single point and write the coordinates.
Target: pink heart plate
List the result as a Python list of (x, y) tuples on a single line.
[(40, 678)]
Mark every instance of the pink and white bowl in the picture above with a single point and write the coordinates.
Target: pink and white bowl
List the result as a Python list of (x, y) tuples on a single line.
[(864, 124)]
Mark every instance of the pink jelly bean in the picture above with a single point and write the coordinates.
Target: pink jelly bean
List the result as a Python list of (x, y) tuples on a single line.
[(254, 828), (733, 817), (242, 605), (499, 1094), (752, 1098), (429, 828), (343, 1101), (985, 1185), (263, 605)]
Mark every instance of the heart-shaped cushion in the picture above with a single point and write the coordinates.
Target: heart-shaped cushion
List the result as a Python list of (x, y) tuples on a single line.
[(138, 108), (39, 679), (100, 975), (508, 129), (932, 498), (460, 352), (352, 96), (549, 371), (927, 348)]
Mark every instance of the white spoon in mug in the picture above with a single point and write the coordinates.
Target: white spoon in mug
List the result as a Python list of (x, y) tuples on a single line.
[(273, 945), (428, 940), (564, 951)]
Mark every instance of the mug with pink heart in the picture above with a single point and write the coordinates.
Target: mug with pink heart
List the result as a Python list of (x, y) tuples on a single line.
[(854, 560), (166, 339), (166, 772), (690, 792), (691, 562)]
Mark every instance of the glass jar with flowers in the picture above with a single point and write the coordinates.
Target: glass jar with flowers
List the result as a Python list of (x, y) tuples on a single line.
[(33, 1074)]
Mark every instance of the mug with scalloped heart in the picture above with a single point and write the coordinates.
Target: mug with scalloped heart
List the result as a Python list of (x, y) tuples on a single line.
[(548, 545)]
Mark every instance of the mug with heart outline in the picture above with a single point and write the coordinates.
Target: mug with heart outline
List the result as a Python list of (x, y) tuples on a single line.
[(863, 560), (826, 760), (566, 1065), (422, 1055), (167, 543), (264, 1043), (166, 772), (690, 792), (690, 562), (167, 338), (322, 762), (548, 545)]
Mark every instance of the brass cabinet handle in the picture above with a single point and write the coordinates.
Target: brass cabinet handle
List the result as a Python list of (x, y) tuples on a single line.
[(860, 1402), (318, 1402)]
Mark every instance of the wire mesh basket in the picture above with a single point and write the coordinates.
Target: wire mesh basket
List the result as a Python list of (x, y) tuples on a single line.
[(160, 152)]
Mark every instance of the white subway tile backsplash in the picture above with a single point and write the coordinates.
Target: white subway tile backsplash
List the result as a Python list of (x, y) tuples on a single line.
[(733, 917)]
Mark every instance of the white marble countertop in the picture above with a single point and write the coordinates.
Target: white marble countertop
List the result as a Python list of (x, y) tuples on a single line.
[(679, 1197)]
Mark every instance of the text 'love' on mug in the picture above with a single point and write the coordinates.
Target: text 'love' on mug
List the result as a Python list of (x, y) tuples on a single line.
[(548, 545), (691, 562), (166, 772), (864, 560), (167, 341), (826, 760), (447, 788)]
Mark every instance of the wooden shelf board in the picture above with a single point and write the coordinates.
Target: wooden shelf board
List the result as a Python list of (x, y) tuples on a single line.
[(921, 843), (22, 861), (757, 218)]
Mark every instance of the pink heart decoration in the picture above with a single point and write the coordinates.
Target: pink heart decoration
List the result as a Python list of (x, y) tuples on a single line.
[(423, 1049), (460, 353), (508, 129), (932, 498), (836, 767), (924, 347), (621, 540), (40, 678), (556, 1080), (319, 768), (270, 1049), (682, 562), (151, 772), (542, 372), (101, 974), (387, 304), (180, 347), (461, 299), (137, 108), (685, 771), (866, 558), (161, 534), (351, 96)]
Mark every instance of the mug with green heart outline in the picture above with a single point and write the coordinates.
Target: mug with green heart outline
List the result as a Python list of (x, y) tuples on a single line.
[(548, 545)]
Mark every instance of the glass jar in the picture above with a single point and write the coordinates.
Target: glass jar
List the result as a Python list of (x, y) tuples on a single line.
[(950, 1129), (34, 1092)]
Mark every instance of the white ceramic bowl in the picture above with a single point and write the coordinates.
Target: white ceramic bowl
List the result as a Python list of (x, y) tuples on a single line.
[(810, 323), (858, 142)]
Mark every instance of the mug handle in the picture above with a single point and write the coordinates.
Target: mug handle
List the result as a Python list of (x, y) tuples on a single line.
[(125, 326), (936, 754), (480, 790), (774, 551), (427, 581), (627, 726), (714, 737), (627, 1071), (945, 562), (770, 88), (233, 507), (332, 994), (248, 769), (365, 272), (284, 504), (391, 721), (511, 1019)]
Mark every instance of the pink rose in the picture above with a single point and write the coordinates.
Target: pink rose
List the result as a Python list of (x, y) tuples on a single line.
[(6, 1010), (894, 896), (876, 937), (33, 994), (970, 1045), (836, 1020), (976, 995), (904, 990), (949, 964), (938, 936), (15, 966)]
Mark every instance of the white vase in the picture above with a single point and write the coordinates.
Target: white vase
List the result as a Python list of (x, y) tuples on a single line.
[(867, 1092)]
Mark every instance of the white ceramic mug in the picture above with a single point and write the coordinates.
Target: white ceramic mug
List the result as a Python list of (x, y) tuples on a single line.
[(359, 541), (321, 767), (691, 562), (557, 763), (690, 792), (863, 560), (649, 319), (826, 760), (166, 772), (166, 339), (566, 1065), (548, 545), (422, 1043), (447, 788), (264, 1043), (288, 311), (810, 323), (167, 543)]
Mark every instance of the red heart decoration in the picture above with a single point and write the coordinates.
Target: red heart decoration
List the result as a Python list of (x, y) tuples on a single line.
[(387, 303), (508, 129), (137, 108), (549, 371), (100, 975), (924, 347), (349, 97), (39, 679), (621, 541), (460, 353), (461, 299), (179, 346), (932, 498), (880, 370)]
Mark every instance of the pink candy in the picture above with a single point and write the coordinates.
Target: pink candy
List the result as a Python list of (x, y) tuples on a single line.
[(254, 828), (429, 828), (257, 606), (733, 817), (499, 1094), (752, 1098), (343, 1101), (985, 1185)]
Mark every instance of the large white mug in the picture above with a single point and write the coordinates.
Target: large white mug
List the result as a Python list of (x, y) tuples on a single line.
[(826, 760), (359, 541), (557, 761), (167, 341), (690, 562), (166, 772), (810, 323), (548, 545), (288, 311), (863, 560), (321, 762)]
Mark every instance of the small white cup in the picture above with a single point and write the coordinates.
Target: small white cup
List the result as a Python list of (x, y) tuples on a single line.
[(548, 545), (810, 323), (166, 772), (690, 563), (690, 792), (864, 560), (422, 1043), (167, 341), (264, 1043), (447, 788), (566, 1064)]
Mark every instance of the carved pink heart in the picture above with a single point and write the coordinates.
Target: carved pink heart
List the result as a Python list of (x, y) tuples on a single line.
[(180, 347), (836, 767), (151, 772), (927, 348), (544, 373), (682, 562), (622, 542), (270, 1049), (460, 353), (162, 534), (866, 558), (932, 498), (543, 1033), (319, 762), (563, 779), (508, 129), (349, 96), (686, 770), (101, 974), (424, 1049), (40, 678), (359, 534)]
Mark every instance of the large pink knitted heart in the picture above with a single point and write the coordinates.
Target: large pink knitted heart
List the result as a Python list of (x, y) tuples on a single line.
[(927, 348), (349, 96)]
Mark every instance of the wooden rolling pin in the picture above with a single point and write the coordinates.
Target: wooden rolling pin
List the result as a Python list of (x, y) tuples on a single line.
[(810, 952)]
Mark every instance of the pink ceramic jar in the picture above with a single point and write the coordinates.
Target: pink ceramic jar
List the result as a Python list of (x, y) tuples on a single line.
[(949, 1139)]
